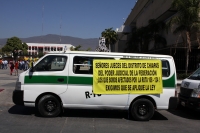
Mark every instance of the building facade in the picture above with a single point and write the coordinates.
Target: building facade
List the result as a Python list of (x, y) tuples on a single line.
[(160, 11), (36, 48)]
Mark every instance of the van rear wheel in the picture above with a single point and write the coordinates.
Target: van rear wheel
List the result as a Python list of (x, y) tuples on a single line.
[(142, 110), (49, 106)]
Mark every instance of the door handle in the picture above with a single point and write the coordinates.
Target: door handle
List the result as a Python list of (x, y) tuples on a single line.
[(60, 79)]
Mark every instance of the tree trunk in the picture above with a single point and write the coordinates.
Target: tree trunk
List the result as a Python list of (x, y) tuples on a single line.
[(188, 50), (109, 47), (187, 60)]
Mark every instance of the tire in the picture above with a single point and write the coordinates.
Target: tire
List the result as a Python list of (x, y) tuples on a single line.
[(179, 106), (49, 106), (142, 110)]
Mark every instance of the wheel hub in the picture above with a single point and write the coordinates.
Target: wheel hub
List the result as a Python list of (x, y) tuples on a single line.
[(142, 109), (50, 106)]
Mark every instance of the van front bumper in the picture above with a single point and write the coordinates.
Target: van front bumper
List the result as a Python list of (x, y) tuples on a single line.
[(17, 97), (189, 102)]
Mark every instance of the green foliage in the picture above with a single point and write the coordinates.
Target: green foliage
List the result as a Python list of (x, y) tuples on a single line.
[(110, 36), (142, 37), (15, 43), (24, 48), (78, 48), (187, 18), (40, 54), (88, 49), (12, 43), (1, 53), (187, 22)]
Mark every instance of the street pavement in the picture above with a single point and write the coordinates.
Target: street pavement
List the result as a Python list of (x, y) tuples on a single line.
[(7, 85), (19, 119)]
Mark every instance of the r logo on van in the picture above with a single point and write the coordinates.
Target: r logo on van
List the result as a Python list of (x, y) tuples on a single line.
[(90, 95)]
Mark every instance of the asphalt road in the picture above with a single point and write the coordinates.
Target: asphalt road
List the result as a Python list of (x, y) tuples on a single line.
[(19, 119)]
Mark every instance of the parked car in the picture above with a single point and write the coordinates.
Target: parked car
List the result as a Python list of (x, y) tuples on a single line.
[(189, 95)]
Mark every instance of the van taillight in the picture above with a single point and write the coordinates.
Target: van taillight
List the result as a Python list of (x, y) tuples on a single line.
[(176, 93)]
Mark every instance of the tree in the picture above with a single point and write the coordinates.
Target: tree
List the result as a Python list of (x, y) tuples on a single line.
[(110, 36), (154, 29), (15, 43), (187, 22), (142, 37), (40, 54), (1, 53)]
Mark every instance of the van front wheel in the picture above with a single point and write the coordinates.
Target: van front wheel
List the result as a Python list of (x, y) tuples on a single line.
[(49, 106), (142, 109)]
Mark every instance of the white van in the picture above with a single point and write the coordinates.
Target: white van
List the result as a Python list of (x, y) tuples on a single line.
[(189, 95), (58, 81)]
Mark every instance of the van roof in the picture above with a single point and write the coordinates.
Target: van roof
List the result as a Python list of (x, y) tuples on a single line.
[(114, 54)]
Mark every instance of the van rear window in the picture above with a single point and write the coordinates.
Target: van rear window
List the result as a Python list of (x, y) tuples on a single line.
[(83, 65), (165, 68)]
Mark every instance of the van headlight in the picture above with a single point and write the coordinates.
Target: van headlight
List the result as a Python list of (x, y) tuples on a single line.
[(18, 85), (196, 92)]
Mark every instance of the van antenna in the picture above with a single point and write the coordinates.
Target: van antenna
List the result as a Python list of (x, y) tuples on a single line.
[(60, 27), (42, 21)]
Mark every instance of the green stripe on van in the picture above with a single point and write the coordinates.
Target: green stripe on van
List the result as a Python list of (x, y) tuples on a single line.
[(36, 79), (169, 82), (77, 80), (89, 81), (80, 80)]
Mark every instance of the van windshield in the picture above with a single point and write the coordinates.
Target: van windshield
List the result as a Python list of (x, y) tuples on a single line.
[(195, 75)]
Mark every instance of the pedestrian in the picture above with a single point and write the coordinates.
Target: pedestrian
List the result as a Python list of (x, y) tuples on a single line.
[(23, 67), (19, 65), (16, 68), (0, 63), (5, 64), (11, 67), (26, 65)]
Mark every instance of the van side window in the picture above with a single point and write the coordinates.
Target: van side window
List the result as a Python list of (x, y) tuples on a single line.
[(84, 64), (51, 63), (165, 68)]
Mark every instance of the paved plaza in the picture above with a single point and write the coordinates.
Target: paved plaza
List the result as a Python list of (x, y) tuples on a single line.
[(7, 85)]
